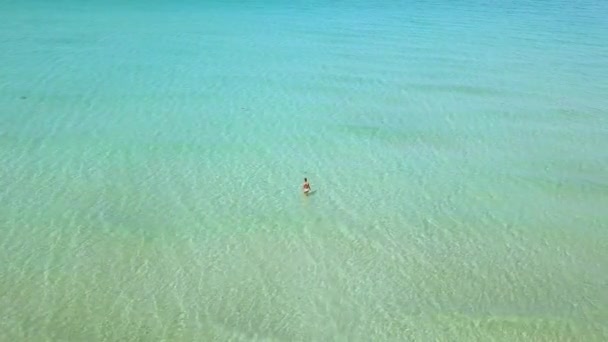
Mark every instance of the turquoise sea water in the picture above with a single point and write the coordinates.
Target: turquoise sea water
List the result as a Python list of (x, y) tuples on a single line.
[(152, 152)]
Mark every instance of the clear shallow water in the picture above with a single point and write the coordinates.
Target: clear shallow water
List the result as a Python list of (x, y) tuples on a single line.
[(152, 156)]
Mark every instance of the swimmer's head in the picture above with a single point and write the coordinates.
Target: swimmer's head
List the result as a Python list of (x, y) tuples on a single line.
[(306, 180)]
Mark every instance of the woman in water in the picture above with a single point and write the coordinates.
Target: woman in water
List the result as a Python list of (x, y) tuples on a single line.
[(306, 187)]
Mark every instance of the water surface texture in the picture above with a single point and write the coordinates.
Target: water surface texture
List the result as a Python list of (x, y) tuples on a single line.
[(152, 152)]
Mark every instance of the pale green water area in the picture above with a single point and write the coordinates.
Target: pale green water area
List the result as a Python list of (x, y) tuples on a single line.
[(152, 153)]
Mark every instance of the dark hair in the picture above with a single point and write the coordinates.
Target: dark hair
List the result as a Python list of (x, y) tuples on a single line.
[(306, 180)]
